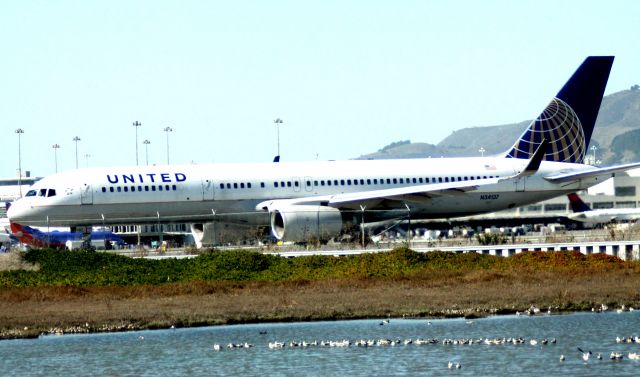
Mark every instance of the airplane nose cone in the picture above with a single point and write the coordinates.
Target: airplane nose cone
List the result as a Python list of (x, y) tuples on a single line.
[(17, 212)]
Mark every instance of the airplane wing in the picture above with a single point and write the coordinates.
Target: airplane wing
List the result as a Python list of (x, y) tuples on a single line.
[(394, 194), (410, 193), (595, 172)]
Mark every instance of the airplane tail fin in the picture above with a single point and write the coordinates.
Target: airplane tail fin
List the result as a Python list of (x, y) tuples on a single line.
[(568, 121), (577, 205), (26, 234)]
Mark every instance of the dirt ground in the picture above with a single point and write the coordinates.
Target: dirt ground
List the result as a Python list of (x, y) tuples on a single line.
[(26, 312)]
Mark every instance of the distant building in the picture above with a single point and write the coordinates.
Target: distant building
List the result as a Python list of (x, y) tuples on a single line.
[(10, 190)]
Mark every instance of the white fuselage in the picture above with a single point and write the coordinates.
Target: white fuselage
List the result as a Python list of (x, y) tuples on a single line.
[(230, 192), (601, 216)]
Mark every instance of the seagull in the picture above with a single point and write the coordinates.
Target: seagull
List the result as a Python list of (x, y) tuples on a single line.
[(216, 347), (585, 355), (533, 342), (615, 356), (599, 357), (561, 358)]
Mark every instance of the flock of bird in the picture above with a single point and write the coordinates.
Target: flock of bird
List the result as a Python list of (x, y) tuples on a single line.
[(384, 342)]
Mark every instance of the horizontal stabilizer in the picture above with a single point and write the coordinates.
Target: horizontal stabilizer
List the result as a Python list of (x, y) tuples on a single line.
[(595, 172)]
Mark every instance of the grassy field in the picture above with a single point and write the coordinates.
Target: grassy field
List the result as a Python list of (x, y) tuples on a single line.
[(52, 291)]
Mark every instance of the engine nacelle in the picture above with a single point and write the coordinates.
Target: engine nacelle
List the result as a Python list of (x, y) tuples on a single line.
[(302, 223)]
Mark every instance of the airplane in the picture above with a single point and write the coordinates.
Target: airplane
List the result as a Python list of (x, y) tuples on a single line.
[(58, 239), (318, 200), (583, 213), (5, 233)]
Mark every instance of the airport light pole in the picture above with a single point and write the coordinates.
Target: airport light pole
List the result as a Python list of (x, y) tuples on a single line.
[(146, 143), (19, 131), (55, 154), (167, 130), (481, 150), (86, 159), (278, 122), (76, 139), (137, 124)]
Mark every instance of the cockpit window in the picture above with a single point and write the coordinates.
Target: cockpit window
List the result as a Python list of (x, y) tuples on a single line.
[(43, 192), (51, 192), (31, 193)]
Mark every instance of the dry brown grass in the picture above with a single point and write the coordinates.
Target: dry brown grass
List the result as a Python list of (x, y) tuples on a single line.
[(191, 304), (13, 261)]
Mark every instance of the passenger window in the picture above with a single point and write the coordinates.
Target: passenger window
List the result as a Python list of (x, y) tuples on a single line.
[(146, 188), (342, 182), (228, 185), (159, 187), (153, 188), (235, 185), (275, 184), (395, 181), (329, 183), (126, 189), (375, 181), (262, 184), (355, 182), (104, 189), (175, 187), (133, 188), (401, 180), (222, 186), (139, 188), (110, 189), (288, 183), (119, 189), (249, 185), (167, 187), (296, 183)]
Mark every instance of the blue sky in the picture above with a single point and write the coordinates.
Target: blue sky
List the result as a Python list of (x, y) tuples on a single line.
[(346, 77)]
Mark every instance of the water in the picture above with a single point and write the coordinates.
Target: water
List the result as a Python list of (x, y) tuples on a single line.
[(189, 352)]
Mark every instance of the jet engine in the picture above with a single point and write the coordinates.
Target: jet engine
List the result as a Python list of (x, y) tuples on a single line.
[(303, 223)]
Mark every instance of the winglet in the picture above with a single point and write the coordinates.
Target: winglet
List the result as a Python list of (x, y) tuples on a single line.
[(536, 159)]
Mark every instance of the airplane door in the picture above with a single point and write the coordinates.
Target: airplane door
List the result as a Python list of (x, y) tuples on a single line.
[(520, 184), (86, 194), (296, 184), (207, 189)]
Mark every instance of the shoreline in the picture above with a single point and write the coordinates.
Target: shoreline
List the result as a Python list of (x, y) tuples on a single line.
[(32, 312)]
